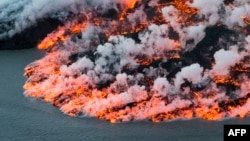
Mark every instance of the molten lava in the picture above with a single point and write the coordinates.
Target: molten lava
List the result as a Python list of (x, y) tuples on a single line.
[(149, 60)]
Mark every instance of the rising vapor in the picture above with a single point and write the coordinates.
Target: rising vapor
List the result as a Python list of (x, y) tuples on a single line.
[(139, 59)]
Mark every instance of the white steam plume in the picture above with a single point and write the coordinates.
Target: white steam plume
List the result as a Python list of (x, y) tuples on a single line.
[(144, 72), (17, 15)]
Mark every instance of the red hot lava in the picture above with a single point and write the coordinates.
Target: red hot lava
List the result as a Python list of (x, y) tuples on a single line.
[(148, 59)]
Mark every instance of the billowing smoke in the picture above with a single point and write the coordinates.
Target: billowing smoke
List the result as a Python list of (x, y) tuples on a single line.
[(17, 15), (142, 59)]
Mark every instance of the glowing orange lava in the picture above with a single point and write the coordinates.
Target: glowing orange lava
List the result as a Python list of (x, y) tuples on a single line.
[(122, 80)]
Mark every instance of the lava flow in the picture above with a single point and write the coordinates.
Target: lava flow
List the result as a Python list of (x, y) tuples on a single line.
[(148, 59)]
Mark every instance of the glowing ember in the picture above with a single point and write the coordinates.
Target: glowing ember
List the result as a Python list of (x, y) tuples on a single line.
[(61, 34), (52, 39), (246, 19), (158, 60)]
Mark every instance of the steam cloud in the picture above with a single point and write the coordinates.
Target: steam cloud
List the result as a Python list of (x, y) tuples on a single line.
[(16, 15), (137, 59)]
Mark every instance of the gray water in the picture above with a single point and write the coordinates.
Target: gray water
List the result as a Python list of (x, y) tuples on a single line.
[(26, 119)]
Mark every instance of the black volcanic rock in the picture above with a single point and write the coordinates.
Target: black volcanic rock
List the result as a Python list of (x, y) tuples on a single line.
[(204, 51), (31, 36)]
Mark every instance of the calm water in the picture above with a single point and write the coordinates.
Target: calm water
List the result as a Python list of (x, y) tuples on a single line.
[(25, 119)]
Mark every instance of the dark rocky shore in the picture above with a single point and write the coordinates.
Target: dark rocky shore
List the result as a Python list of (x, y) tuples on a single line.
[(31, 36)]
